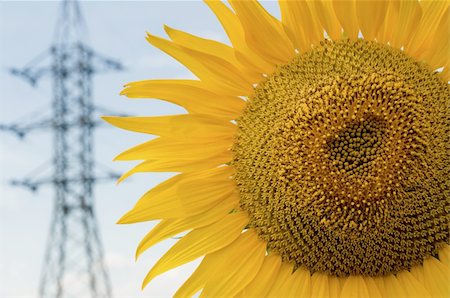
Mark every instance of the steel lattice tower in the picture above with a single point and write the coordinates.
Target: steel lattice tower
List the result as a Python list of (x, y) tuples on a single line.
[(73, 264)]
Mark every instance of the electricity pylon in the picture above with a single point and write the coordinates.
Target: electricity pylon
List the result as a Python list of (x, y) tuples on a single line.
[(73, 264)]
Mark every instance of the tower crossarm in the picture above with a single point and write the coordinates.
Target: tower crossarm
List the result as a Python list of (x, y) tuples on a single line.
[(34, 184), (102, 63), (21, 129)]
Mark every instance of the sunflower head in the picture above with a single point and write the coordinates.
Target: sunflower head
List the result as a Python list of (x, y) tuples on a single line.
[(314, 156), (330, 153)]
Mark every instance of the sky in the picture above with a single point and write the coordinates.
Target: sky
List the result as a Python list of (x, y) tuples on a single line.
[(116, 29)]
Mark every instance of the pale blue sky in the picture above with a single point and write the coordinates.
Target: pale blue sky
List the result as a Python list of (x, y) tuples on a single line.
[(116, 29)]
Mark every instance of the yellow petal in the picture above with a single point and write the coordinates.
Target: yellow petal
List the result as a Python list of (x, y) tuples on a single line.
[(183, 195), (190, 94), (178, 164), (441, 57), (197, 280), (393, 287), (263, 33), (323, 285), (320, 285), (284, 274), (372, 287), (445, 75), (199, 242), (168, 148), (199, 44), (335, 286), (185, 181), (425, 30), (444, 255), (238, 80), (409, 16), (417, 272), (211, 265), (264, 278), (244, 262), (379, 282), (212, 48), (297, 285), (370, 16), (235, 32), (177, 126), (299, 24), (438, 52), (436, 277), (217, 73), (325, 13), (346, 14), (411, 285), (385, 33), (173, 226), (354, 286)]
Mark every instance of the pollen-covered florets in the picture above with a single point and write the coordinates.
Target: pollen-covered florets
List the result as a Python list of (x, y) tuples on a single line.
[(342, 159)]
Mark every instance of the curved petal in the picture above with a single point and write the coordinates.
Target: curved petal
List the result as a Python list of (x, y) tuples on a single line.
[(385, 33), (444, 255), (213, 48), (264, 279), (379, 282), (212, 264), (263, 33), (284, 274), (299, 24), (165, 149), (301, 285), (370, 16), (190, 94), (425, 31), (173, 226), (180, 164), (325, 13), (198, 279), (437, 53), (334, 284), (324, 285), (176, 126), (411, 285), (409, 16), (235, 32), (435, 277), (393, 287), (446, 73), (345, 11), (217, 73), (354, 286), (417, 272), (244, 261), (200, 242), (184, 195), (320, 285), (372, 287)]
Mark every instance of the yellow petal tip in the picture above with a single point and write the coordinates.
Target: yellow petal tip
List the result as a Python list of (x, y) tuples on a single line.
[(167, 29), (124, 91), (124, 219), (120, 221), (108, 119)]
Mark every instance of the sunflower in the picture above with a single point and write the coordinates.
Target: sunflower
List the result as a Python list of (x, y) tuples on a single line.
[(314, 157)]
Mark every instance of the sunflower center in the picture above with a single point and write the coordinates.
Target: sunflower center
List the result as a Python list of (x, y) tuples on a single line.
[(342, 159), (355, 148)]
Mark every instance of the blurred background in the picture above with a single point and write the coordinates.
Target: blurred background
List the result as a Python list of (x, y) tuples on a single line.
[(116, 31)]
